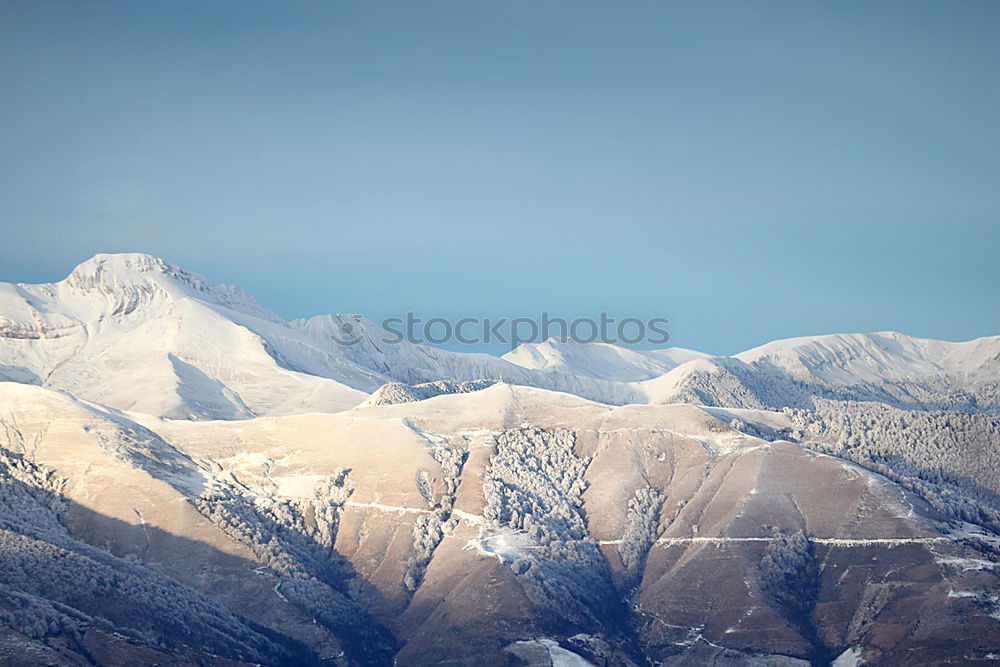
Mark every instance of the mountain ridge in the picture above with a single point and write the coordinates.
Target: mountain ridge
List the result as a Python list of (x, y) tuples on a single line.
[(212, 351), (235, 489)]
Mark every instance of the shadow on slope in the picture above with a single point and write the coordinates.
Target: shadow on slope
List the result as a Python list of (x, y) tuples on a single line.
[(57, 584)]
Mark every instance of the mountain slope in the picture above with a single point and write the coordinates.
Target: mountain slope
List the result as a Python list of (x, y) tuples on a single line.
[(848, 359), (600, 360), (133, 332), (380, 351), (513, 521), (891, 368), (196, 481), (113, 543), (136, 333)]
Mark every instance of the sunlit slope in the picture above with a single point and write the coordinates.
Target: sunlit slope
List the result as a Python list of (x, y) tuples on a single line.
[(465, 524)]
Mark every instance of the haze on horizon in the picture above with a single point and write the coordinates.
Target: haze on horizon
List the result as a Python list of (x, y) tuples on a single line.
[(751, 172)]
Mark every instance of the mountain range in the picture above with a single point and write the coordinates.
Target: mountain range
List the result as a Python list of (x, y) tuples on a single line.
[(136, 333), (186, 478)]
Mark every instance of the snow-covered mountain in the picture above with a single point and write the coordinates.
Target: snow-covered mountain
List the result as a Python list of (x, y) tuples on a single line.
[(850, 359), (600, 360), (187, 479), (134, 332), (503, 525)]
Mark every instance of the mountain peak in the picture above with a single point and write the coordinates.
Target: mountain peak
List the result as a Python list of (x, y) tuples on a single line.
[(118, 273), (99, 268)]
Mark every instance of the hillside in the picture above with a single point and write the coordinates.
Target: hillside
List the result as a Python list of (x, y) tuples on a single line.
[(185, 478), (630, 534)]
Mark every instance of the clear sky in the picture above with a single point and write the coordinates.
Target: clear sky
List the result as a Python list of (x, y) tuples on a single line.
[(751, 170)]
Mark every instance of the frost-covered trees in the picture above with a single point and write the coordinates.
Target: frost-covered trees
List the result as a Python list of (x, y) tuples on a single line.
[(429, 529), (789, 581), (534, 484), (393, 393), (952, 459), (294, 538), (39, 618), (789, 575), (451, 459), (728, 382), (52, 584), (641, 531), (536, 475)]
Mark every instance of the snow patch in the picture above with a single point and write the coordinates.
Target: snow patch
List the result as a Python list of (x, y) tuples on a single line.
[(849, 658), (558, 656)]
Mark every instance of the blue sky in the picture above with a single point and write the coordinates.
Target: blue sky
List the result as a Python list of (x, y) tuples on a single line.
[(751, 171)]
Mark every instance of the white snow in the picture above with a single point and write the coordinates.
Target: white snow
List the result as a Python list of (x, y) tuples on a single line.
[(505, 545), (559, 656), (966, 564), (849, 658), (845, 359), (602, 361), (134, 332)]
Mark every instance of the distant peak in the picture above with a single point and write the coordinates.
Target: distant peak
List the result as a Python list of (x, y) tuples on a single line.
[(118, 273), (110, 272), (101, 263)]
